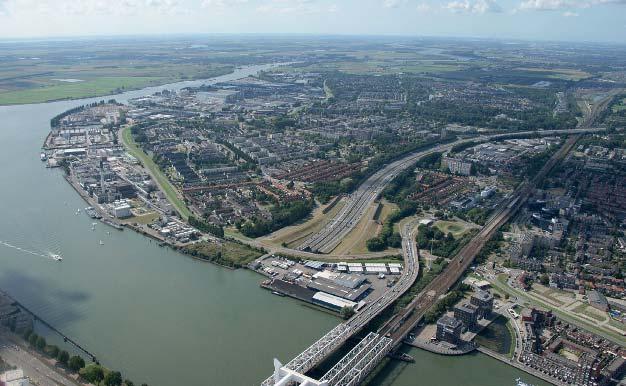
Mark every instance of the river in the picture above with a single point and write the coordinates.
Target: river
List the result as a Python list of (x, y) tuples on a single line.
[(158, 316)]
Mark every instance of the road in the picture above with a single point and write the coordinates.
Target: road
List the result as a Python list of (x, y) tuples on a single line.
[(318, 351), (405, 321), (38, 371), (357, 203)]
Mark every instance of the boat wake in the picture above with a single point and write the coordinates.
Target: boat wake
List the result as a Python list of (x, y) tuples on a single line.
[(48, 255), (519, 382)]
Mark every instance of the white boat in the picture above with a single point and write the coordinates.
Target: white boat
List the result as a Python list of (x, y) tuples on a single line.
[(101, 242), (43, 157), (56, 257)]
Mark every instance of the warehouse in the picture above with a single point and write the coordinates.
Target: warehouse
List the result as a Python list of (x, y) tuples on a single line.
[(331, 287), (332, 302)]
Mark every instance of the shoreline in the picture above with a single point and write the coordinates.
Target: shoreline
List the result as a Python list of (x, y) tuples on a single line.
[(163, 242), (116, 92), (520, 366)]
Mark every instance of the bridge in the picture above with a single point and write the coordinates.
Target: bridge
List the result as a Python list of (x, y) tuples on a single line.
[(405, 321), (374, 346), (367, 353)]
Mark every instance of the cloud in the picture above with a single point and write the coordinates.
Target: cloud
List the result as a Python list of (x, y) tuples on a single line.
[(561, 5), (165, 6), (423, 7), (544, 5), (478, 6), (483, 6), (221, 3), (392, 3), (93, 7), (299, 7), (618, 2)]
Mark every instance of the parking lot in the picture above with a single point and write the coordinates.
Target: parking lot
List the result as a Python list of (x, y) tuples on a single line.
[(316, 275)]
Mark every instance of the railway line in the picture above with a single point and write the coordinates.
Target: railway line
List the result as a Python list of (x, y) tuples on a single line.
[(404, 322), (336, 337), (346, 220), (391, 335)]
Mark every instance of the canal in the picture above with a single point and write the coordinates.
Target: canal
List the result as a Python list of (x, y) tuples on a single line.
[(156, 315)]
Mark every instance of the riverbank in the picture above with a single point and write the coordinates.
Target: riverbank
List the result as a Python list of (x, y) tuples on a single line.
[(97, 87), (201, 313), (125, 135), (512, 362)]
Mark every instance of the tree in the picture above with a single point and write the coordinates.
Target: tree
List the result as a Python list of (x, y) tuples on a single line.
[(32, 339), (41, 343), (346, 312), (544, 279), (76, 363), (128, 382), (92, 373), (375, 244), (53, 351), (27, 334), (63, 357), (113, 378)]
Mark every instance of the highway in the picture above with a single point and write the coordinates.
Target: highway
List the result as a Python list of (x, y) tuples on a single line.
[(399, 326), (319, 350), (357, 203), (405, 321)]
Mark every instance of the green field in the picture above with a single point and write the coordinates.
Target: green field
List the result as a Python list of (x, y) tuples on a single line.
[(161, 179), (560, 73), (36, 81), (90, 88), (621, 106), (498, 337), (457, 229), (226, 253), (501, 285)]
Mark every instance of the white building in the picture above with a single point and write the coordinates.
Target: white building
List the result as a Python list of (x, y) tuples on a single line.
[(14, 378), (122, 211), (457, 166)]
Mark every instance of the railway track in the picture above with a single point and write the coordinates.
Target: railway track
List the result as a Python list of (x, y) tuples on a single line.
[(346, 220), (399, 326)]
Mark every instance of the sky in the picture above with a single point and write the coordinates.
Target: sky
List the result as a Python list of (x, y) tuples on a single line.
[(559, 20)]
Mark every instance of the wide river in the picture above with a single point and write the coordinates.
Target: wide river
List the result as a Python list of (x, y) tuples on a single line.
[(158, 316)]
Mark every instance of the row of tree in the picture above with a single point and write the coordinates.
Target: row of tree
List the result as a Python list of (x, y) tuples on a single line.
[(215, 230), (282, 215), (56, 120), (92, 373)]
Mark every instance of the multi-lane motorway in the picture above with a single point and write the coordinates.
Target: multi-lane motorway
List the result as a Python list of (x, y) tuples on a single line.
[(327, 344), (401, 324), (357, 203)]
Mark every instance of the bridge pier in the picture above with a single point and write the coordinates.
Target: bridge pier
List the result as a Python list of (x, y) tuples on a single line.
[(284, 376), (349, 371)]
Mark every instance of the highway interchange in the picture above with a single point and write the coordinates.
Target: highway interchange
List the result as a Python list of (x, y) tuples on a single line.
[(359, 201), (399, 326)]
